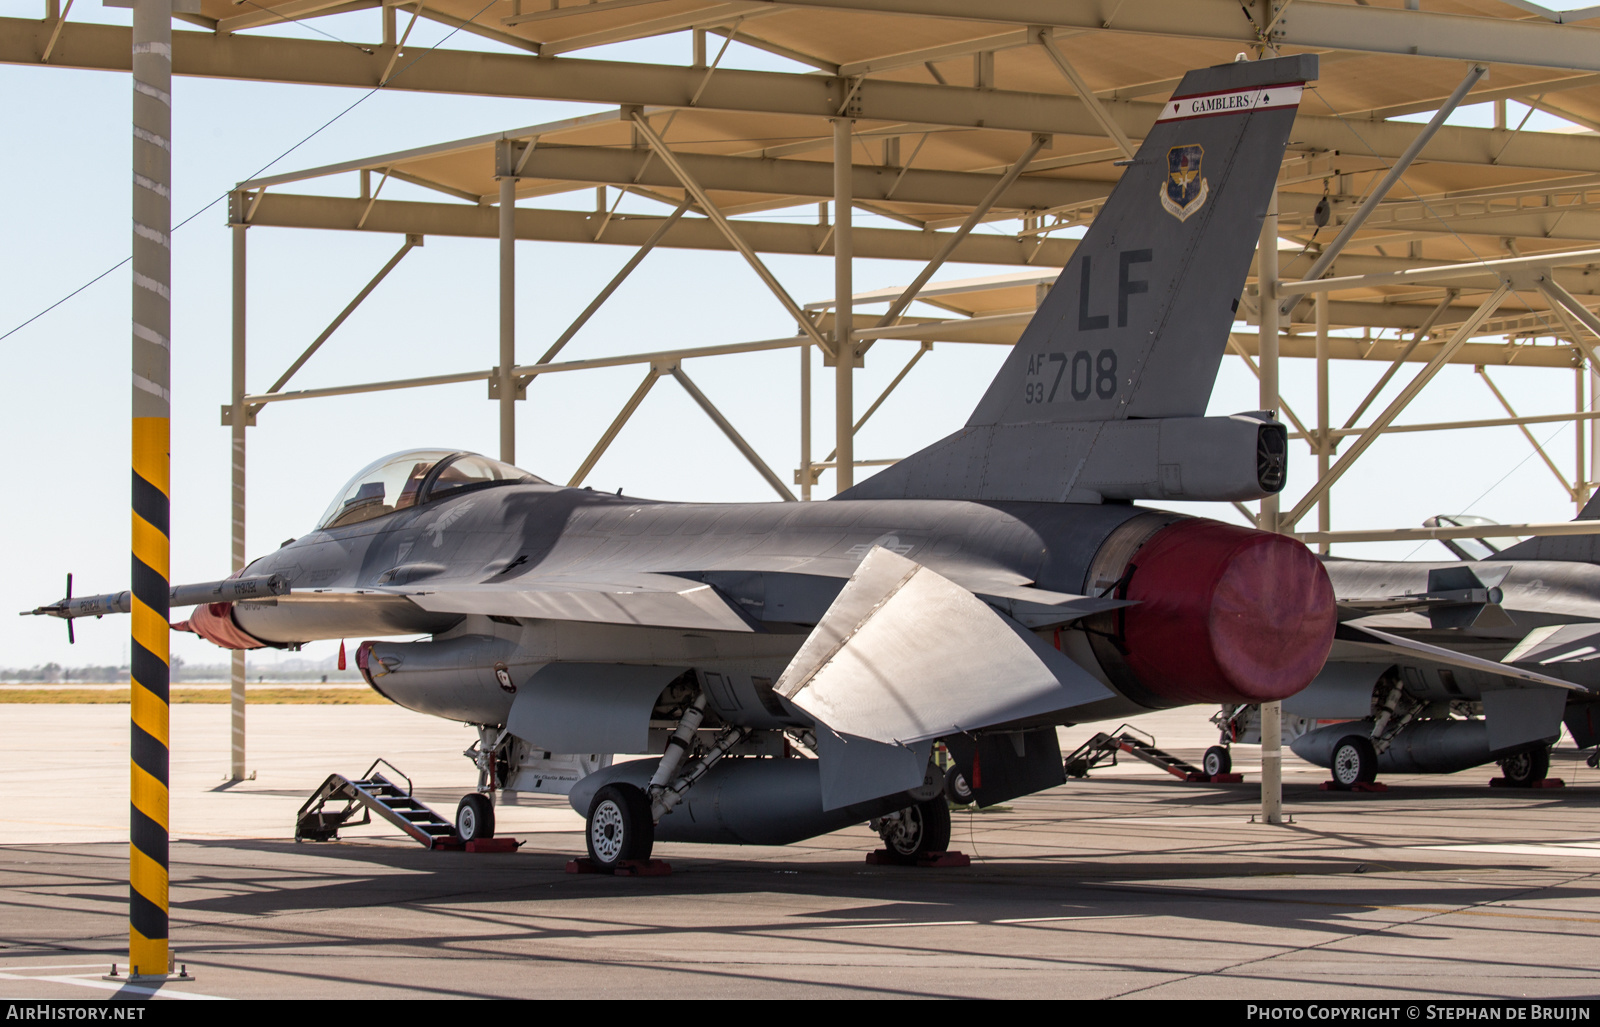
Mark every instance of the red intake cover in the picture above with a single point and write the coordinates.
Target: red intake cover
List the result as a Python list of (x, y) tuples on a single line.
[(1226, 614)]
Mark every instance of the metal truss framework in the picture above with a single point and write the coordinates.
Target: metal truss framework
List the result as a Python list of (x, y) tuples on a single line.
[(894, 129)]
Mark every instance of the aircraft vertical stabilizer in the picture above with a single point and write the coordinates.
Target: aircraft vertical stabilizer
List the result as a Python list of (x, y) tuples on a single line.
[(1568, 548), (1105, 394)]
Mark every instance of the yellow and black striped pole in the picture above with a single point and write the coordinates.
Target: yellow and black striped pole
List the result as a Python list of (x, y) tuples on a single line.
[(152, 366)]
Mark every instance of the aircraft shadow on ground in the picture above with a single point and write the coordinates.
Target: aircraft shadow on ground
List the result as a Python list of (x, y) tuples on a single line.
[(1312, 894)]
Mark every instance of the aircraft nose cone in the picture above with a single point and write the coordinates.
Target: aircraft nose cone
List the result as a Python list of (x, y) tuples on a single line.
[(1227, 614)]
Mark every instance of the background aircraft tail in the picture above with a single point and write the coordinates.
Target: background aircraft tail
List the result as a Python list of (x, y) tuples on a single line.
[(1571, 548), (1105, 394)]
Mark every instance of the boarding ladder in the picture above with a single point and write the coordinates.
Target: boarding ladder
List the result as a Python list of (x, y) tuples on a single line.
[(319, 820), (1102, 750)]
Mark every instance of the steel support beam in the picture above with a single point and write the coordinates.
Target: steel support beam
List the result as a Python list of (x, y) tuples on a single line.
[(282, 59), (1484, 422), (807, 475), (910, 293), (239, 419), (610, 434), (1566, 486), (844, 342), (1354, 222), (150, 56), (809, 179), (1476, 270), (688, 182), (924, 349), (504, 378), (733, 435), (1323, 26), (611, 286), (1324, 440), (412, 241), (530, 370), (1079, 86), (1267, 519), (1370, 435), (1399, 361)]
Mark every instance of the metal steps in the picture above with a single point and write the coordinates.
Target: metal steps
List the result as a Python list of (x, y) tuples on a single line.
[(1103, 748), (319, 820)]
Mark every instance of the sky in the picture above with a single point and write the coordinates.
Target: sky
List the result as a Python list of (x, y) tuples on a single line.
[(65, 221)]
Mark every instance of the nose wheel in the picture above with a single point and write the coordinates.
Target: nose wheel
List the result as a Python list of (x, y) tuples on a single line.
[(474, 818)]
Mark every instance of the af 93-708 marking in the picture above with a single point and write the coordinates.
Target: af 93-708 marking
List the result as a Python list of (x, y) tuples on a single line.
[(1090, 375)]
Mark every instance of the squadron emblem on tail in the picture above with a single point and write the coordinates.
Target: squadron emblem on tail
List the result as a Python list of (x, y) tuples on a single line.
[(1184, 191)]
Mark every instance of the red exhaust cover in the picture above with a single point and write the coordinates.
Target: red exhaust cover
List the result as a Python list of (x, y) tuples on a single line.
[(1226, 614)]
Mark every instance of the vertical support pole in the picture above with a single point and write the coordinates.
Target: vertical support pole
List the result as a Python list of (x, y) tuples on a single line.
[(1580, 481), (1267, 279), (806, 471), (239, 419), (844, 348), (1594, 424), (1324, 439), (148, 654), (508, 301), (1271, 712)]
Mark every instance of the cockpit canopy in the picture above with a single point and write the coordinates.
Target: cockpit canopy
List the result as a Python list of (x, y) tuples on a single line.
[(415, 477)]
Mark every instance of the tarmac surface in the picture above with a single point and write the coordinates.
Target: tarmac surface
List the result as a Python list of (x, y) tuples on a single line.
[(1126, 884)]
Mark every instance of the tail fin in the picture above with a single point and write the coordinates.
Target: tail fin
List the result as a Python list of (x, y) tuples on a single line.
[(1137, 324), (1568, 548)]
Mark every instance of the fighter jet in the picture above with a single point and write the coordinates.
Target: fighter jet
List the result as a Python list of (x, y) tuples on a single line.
[(1440, 667), (790, 669)]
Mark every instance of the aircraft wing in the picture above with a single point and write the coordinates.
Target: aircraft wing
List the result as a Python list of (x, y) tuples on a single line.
[(644, 600)]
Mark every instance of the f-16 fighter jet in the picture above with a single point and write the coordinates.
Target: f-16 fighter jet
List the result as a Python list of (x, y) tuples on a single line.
[(1439, 667), (791, 668)]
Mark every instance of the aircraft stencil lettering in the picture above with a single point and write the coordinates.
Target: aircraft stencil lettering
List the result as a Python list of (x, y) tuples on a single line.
[(693, 632), (890, 542)]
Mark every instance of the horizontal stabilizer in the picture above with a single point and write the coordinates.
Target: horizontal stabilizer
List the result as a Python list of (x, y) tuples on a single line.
[(1557, 643), (905, 656), (1383, 642)]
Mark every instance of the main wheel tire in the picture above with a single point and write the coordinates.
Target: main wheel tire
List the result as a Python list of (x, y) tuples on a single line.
[(956, 788), (1523, 768), (1354, 762), (919, 830), (1218, 760), (619, 827), (474, 818)]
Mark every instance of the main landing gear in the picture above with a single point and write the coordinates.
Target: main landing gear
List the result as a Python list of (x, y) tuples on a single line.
[(916, 832), (620, 829)]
